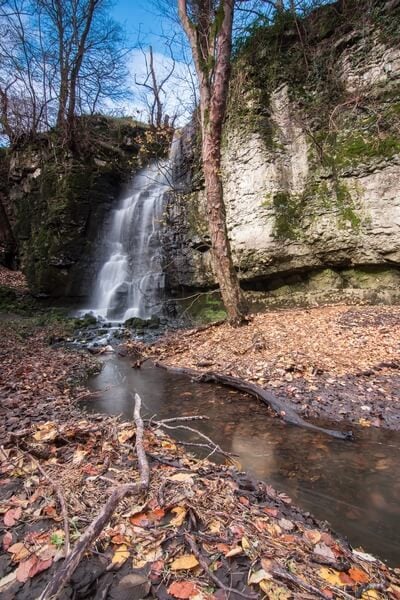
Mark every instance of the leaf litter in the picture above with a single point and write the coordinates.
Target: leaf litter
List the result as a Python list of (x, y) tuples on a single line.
[(203, 531)]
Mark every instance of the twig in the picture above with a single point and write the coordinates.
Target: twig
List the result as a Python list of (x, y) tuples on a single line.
[(61, 500), (64, 574), (199, 433), (189, 418), (281, 574), (204, 564)]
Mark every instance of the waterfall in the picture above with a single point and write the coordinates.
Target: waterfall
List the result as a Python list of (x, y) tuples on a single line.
[(130, 282)]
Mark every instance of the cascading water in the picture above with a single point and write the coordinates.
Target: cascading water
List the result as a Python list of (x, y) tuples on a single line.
[(130, 282)]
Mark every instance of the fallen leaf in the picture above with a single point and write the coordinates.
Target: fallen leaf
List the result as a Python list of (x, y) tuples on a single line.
[(246, 544), (46, 432), (286, 524), (126, 434), (183, 477), (25, 567), (364, 556), (234, 552), (19, 552), (272, 512), (180, 513), (371, 595), (187, 561), (78, 456), (357, 575), (332, 576), (12, 516), (121, 554), (323, 550), (274, 591), (259, 576), (182, 589), (214, 527), (7, 539), (313, 536), (39, 566)]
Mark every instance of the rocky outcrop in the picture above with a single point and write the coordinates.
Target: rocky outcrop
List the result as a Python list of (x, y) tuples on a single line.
[(61, 200), (311, 164)]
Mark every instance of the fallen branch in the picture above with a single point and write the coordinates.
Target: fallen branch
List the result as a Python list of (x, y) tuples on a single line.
[(282, 408), (61, 500), (64, 574), (204, 564)]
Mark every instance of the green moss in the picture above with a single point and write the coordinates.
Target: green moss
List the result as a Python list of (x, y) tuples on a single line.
[(346, 206), (355, 149), (288, 213), (206, 308)]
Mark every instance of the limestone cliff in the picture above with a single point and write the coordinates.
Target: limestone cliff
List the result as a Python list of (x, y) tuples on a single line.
[(311, 159)]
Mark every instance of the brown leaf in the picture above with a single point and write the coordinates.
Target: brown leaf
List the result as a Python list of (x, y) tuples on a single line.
[(7, 540), (39, 566), (25, 567), (313, 536), (12, 516), (182, 589), (19, 551), (180, 514)]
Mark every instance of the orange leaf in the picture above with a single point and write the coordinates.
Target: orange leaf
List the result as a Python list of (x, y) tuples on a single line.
[(344, 578), (357, 575), (182, 589)]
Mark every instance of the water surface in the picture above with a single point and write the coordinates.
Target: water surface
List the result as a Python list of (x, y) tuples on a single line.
[(353, 485)]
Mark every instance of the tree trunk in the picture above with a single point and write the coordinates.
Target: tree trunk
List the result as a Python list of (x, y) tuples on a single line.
[(225, 273), (7, 238), (211, 43)]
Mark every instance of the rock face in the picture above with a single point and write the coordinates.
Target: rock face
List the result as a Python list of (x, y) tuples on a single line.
[(61, 201), (311, 162)]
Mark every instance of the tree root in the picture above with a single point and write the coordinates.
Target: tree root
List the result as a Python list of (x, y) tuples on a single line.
[(282, 408)]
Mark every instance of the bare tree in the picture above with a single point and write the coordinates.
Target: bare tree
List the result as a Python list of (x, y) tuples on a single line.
[(154, 85), (208, 26), (58, 59)]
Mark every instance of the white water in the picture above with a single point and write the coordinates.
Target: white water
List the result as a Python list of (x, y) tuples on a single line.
[(130, 282)]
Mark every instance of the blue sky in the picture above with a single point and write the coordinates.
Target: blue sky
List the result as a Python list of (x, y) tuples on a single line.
[(141, 16), (143, 23)]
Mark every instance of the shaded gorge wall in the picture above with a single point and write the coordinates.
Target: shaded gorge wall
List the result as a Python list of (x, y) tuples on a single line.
[(61, 200)]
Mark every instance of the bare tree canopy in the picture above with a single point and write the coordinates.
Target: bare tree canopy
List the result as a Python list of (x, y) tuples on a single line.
[(58, 59)]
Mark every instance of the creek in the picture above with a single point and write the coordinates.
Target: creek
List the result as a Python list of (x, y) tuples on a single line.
[(355, 486)]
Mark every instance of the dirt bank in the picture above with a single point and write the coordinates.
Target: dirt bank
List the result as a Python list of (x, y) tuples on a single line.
[(339, 363)]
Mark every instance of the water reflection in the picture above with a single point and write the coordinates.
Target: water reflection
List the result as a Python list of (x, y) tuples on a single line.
[(353, 485)]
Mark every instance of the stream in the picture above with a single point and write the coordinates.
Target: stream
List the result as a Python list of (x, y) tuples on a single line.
[(355, 486)]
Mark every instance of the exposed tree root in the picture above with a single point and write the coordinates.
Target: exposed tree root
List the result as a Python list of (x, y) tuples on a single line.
[(283, 409)]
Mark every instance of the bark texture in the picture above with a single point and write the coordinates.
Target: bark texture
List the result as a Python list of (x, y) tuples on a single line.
[(209, 30)]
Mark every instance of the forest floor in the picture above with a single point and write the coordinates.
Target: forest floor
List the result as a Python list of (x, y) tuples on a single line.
[(200, 531), (335, 362)]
